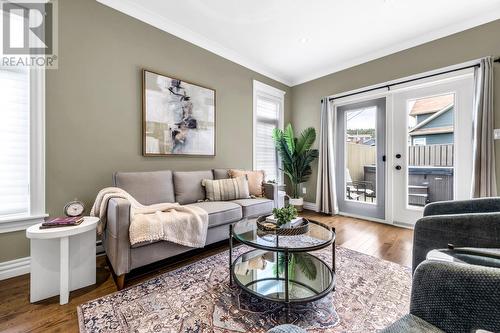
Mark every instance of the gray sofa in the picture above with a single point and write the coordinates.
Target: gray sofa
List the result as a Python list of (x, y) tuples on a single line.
[(183, 187), (463, 223)]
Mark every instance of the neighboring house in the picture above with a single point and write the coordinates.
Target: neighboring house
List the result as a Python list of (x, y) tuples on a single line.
[(433, 121)]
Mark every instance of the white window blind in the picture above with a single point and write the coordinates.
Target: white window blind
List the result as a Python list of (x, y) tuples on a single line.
[(14, 141), (267, 119), (268, 113)]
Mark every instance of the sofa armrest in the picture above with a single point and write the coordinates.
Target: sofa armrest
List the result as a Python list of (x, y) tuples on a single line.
[(481, 205), (271, 192), (116, 235), (457, 297), (461, 230)]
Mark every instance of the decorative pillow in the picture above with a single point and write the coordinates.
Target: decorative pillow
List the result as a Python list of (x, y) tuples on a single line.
[(255, 180), (226, 189)]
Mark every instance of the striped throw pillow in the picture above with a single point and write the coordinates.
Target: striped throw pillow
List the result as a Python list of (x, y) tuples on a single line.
[(226, 189)]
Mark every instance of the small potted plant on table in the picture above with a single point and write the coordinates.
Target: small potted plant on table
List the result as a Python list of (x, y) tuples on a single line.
[(284, 216)]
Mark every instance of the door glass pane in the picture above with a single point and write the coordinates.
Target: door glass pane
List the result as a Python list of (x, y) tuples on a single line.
[(361, 154), (430, 149)]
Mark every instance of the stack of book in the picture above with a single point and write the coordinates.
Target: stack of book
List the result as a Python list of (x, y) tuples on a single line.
[(62, 222), (293, 223)]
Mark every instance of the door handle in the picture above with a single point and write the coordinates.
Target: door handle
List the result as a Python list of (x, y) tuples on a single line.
[(398, 155), (398, 167)]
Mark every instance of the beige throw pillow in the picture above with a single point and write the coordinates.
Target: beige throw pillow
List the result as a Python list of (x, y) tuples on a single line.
[(226, 189), (255, 180)]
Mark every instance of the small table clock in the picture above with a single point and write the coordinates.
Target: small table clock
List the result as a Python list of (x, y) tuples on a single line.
[(74, 208)]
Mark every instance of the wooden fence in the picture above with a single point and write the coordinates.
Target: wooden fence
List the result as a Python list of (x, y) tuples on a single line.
[(431, 155), (357, 157)]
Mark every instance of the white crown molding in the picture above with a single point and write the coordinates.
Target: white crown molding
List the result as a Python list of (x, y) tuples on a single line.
[(143, 14), (437, 34), (16, 267)]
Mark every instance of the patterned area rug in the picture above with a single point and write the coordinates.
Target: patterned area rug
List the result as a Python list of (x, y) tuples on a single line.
[(370, 293)]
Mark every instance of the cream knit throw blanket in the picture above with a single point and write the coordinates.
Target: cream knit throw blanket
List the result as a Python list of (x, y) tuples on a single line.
[(164, 221)]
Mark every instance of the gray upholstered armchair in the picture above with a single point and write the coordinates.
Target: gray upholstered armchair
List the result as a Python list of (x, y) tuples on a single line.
[(467, 223), (452, 297)]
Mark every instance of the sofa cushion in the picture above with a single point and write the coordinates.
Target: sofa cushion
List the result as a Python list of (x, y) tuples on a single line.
[(147, 187), (221, 173), (226, 189), (255, 207), (255, 180), (187, 185), (220, 212)]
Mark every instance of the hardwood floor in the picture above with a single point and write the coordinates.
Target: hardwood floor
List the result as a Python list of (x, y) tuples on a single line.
[(18, 315)]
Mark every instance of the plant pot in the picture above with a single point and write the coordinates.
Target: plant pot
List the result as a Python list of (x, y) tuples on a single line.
[(298, 203)]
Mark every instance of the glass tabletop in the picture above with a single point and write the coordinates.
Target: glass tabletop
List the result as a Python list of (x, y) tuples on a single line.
[(318, 236), (262, 273)]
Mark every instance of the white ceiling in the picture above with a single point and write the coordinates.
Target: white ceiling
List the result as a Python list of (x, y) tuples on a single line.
[(296, 41)]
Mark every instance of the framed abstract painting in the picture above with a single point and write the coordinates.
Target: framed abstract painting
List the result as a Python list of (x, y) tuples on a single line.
[(178, 117)]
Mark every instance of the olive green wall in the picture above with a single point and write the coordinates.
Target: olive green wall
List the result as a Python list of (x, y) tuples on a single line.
[(93, 116), (468, 45)]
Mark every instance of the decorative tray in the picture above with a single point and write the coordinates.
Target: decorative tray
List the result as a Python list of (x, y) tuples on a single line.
[(267, 227)]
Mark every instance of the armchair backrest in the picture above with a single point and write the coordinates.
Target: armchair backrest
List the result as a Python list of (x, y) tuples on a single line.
[(457, 297)]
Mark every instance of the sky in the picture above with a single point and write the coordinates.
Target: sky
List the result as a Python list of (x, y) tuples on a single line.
[(362, 118)]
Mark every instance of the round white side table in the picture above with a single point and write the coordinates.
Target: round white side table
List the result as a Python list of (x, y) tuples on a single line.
[(62, 259)]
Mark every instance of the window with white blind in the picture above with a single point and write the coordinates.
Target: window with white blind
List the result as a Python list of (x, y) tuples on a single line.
[(268, 115), (22, 170), (14, 141)]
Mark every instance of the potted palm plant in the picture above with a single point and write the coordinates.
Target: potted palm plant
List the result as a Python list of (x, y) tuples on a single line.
[(296, 158)]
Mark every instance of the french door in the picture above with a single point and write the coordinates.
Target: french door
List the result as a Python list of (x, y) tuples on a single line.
[(360, 149), (432, 146), (404, 148)]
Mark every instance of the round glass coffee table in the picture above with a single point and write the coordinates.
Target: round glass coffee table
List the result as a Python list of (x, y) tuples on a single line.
[(280, 268)]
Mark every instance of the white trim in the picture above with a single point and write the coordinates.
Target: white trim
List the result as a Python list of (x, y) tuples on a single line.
[(21, 266), (275, 94), (37, 141), (143, 14), (158, 21), (37, 158), (16, 223), (16, 267)]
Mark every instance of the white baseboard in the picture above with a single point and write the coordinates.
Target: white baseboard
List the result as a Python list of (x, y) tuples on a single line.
[(310, 206), (16, 267), (21, 266)]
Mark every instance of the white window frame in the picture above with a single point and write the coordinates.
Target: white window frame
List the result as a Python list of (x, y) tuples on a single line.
[(421, 141), (266, 91), (37, 158)]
